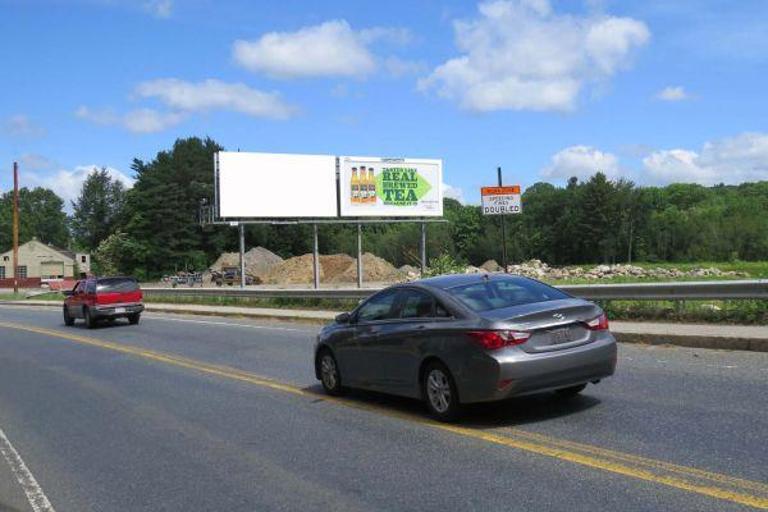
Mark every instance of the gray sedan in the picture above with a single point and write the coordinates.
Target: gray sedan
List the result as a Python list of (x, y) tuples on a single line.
[(459, 339)]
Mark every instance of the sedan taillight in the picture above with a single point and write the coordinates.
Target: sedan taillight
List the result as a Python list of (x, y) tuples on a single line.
[(598, 324), (493, 340)]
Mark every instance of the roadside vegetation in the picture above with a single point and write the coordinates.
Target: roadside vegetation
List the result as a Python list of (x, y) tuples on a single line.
[(151, 229)]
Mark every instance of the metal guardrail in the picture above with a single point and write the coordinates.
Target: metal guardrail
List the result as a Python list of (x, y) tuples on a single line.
[(681, 290)]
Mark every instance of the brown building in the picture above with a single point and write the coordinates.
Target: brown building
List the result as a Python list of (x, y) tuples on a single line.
[(46, 262)]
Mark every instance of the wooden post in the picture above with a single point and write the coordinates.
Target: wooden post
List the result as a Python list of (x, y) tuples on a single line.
[(15, 227)]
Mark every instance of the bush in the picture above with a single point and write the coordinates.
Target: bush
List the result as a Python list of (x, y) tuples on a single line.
[(444, 264)]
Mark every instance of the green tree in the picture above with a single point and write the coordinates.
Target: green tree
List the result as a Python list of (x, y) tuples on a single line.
[(162, 207), (41, 216), (97, 209)]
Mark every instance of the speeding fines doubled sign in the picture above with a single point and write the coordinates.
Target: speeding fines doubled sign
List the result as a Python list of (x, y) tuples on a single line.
[(501, 200)]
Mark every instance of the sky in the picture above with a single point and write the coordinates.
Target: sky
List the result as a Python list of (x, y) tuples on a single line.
[(654, 91)]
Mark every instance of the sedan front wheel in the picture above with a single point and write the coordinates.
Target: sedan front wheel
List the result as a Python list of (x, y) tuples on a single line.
[(329, 373)]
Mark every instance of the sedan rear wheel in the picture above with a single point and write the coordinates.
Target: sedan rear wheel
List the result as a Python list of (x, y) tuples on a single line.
[(440, 392), (329, 373)]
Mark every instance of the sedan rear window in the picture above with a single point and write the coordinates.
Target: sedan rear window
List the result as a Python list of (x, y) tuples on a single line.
[(117, 284), (504, 293)]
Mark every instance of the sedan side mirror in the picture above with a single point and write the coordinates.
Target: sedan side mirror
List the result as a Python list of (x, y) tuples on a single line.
[(343, 318), (68, 293)]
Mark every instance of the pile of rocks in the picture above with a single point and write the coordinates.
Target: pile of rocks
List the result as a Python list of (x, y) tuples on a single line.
[(258, 263), (540, 270)]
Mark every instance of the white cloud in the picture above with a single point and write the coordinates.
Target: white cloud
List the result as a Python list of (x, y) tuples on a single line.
[(676, 93), (34, 162), (453, 193), (730, 160), (160, 8), (143, 120), (582, 162), (147, 120), (66, 183), (20, 125), (215, 95), (331, 48), (397, 67), (520, 55)]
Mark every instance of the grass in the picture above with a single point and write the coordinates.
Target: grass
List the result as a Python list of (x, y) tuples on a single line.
[(746, 312), (312, 304), (743, 312)]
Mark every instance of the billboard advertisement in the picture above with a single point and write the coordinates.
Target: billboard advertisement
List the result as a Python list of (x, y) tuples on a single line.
[(273, 185), (501, 200), (390, 187)]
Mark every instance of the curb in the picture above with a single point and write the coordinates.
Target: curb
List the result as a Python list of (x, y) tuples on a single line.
[(323, 317)]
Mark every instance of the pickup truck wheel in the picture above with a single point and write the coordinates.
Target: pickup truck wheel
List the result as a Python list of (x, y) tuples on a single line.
[(134, 318), (90, 321), (68, 320)]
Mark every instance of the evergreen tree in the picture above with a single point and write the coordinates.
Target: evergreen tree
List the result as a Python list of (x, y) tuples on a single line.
[(97, 209)]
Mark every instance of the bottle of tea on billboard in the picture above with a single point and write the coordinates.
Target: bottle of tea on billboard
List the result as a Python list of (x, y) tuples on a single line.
[(363, 185), (355, 186), (371, 186)]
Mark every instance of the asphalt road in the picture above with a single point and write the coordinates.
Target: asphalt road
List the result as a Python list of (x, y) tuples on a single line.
[(201, 413)]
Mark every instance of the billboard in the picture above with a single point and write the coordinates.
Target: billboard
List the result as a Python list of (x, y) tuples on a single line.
[(501, 200), (272, 185), (390, 187)]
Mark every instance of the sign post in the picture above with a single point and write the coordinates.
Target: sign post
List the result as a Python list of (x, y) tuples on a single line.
[(501, 201)]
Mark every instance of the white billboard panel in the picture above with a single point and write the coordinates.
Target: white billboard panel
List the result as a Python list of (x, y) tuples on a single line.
[(389, 187), (272, 185)]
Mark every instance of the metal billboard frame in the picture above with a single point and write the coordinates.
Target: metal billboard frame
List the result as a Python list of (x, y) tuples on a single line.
[(209, 215)]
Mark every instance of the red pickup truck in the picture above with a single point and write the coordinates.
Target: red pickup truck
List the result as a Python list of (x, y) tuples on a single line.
[(103, 298)]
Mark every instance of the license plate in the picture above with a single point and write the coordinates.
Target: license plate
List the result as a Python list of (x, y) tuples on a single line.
[(560, 336), (119, 310)]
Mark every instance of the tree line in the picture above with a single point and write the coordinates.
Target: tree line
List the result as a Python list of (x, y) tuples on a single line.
[(152, 229)]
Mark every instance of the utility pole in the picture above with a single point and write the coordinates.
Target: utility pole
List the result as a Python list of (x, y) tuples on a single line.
[(15, 227), (503, 230)]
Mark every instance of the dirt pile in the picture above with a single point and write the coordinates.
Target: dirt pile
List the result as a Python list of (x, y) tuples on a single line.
[(296, 270), (258, 262), (334, 268), (334, 265), (375, 269)]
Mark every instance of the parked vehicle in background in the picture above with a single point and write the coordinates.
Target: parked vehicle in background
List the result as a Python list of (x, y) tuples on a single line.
[(230, 276), (95, 299), (458, 339)]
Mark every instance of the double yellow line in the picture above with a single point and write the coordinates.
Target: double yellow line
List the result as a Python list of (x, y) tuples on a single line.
[(714, 485)]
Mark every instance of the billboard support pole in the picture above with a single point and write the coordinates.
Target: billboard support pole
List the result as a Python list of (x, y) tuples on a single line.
[(15, 227), (423, 248), (316, 259), (359, 255), (241, 228), (503, 231)]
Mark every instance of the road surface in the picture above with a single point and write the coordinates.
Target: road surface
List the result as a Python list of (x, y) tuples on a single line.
[(192, 413)]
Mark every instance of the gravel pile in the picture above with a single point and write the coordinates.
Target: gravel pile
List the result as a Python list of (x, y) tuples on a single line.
[(375, 269), (258, 263)]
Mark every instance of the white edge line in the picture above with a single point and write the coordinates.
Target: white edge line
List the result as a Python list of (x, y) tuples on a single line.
[(153, 316), (35, 495)]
